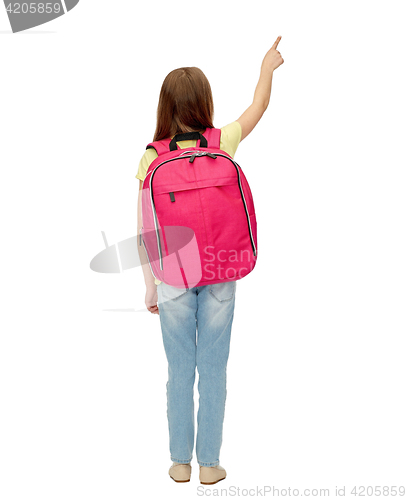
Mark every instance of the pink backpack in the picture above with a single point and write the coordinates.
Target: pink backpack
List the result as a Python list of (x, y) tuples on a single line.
[(199, 222)]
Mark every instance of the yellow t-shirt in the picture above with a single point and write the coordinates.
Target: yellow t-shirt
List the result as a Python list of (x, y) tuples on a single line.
[(229, 141)]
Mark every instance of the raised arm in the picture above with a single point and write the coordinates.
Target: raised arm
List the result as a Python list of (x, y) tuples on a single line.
[(250, 118)]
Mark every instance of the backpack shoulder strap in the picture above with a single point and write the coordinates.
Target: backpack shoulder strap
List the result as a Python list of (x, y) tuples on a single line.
[(161, 147), (212, 135)]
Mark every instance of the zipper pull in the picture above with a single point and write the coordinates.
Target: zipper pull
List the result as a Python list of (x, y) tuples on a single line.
[(202, 153)]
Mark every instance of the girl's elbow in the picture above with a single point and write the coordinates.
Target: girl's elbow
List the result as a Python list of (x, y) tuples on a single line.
[(261, 106), (265, 105)]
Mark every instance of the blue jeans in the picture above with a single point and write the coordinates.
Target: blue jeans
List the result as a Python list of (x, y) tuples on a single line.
[(196, 325)]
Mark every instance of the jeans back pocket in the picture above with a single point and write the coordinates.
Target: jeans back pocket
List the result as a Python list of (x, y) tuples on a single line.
[(168, 292), (223, 291)]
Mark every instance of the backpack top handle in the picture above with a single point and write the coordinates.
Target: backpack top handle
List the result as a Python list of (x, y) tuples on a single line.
[(209, 139), (188, 136)]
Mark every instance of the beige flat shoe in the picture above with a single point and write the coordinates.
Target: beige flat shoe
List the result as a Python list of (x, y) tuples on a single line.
[(181, 473), (211, 475)]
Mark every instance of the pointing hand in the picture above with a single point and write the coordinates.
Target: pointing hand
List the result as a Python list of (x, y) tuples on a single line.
[(272, 60)]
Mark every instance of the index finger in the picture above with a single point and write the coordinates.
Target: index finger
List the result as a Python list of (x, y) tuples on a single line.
[(276, 42)]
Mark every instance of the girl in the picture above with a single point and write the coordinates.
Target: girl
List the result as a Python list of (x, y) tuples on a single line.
[(185, 105)]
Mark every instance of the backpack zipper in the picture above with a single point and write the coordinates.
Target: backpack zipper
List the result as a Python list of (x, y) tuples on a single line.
[(244, 203), (199, 153), (181, 157)]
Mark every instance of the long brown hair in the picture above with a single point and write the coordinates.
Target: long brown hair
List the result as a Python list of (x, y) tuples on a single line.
[(185, 103)]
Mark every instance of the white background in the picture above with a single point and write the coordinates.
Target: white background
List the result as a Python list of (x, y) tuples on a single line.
[(317, 371)]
